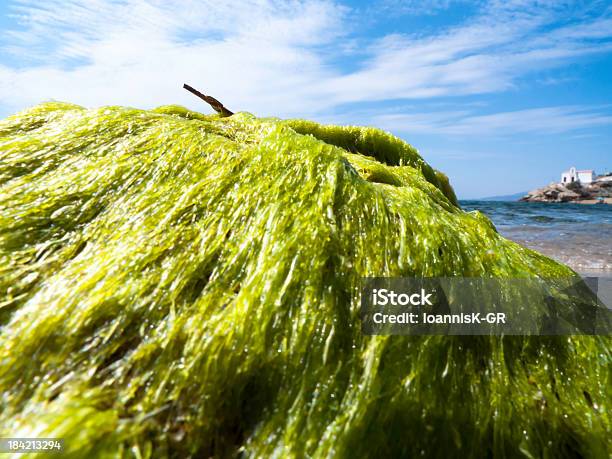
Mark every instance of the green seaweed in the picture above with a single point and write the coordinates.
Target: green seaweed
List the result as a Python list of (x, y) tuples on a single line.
[(176, 284)]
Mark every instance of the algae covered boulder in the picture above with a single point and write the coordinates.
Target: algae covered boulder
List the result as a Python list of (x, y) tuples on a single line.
[(175, 284)]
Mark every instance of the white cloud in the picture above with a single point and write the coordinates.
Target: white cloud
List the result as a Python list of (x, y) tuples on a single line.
[(277, 56), (258, 56), (419, 7), (546, 120), (488, 54)]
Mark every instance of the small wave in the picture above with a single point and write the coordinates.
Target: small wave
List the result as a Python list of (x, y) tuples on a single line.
[(542, 218)]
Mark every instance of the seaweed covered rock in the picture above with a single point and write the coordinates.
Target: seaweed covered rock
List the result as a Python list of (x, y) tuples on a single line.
[(175, 284)]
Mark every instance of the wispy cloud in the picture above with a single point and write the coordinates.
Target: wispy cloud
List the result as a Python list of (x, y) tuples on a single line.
[(506, 42), (546, 120), (282, 56), (418, 7), (258, 55)]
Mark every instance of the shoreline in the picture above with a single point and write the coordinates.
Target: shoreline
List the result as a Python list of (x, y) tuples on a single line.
[(605, 202), (584, 253), (579, 236)]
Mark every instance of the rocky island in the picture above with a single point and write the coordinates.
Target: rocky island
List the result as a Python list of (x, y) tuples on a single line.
[(580, 187)]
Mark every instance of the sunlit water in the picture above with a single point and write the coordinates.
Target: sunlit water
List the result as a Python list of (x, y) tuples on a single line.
[(578, 235)]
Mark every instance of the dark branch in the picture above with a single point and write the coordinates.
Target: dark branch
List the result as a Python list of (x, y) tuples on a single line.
[(214, 103)]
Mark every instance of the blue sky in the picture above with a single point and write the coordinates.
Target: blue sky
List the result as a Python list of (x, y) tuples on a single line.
[(500, 95)]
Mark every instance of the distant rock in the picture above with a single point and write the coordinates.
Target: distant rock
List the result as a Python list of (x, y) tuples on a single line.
[(600, 191)]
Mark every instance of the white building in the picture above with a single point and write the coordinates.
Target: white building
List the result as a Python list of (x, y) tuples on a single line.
[(572, 175)]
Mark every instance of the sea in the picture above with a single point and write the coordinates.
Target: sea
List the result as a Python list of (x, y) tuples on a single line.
[(578, 235)]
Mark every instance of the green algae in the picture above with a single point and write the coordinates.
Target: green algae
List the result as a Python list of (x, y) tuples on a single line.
[(176, 284)]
